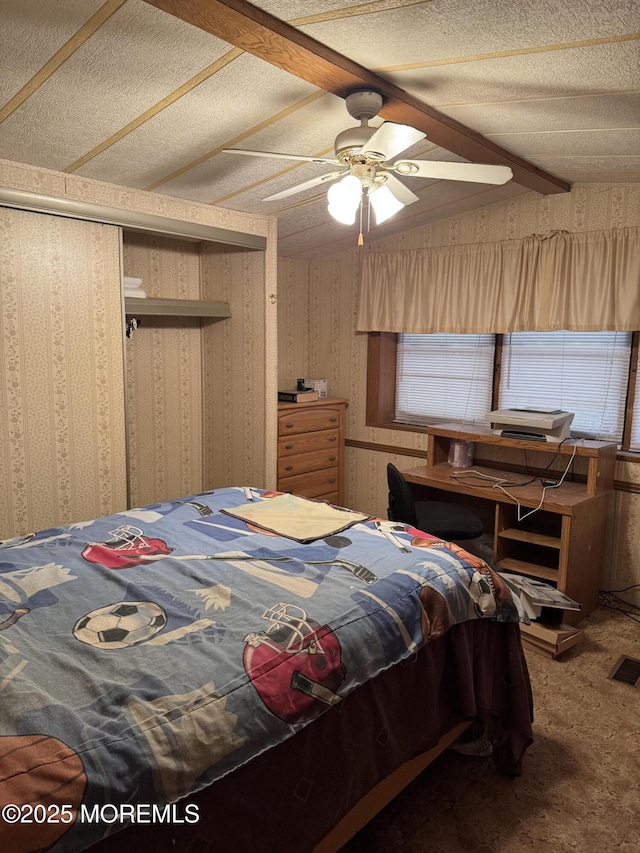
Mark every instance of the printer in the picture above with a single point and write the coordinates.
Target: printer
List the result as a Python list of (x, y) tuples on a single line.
[(532, 424)]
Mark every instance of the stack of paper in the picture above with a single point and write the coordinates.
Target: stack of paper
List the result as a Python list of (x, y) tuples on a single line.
[(535, 595)]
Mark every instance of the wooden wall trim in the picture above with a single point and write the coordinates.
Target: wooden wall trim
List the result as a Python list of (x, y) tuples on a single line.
[(386, 448)]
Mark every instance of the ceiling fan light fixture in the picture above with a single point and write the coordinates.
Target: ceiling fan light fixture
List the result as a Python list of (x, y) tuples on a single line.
[(384, 203), (344, 215), (344, 199)]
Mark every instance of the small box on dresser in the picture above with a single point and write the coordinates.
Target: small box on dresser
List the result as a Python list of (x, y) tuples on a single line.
[(311, 449)]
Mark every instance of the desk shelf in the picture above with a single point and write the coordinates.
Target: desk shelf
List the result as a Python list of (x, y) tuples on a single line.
[(522, 567), (562, 541), (531, 537)]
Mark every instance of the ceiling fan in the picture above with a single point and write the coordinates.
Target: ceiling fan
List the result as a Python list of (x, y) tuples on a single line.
[(365, 157)]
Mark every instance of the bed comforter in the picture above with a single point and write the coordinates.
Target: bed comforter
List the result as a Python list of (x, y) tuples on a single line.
[(146, 654)]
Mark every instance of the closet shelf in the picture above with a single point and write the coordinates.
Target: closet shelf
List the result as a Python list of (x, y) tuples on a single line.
[(176, 308)]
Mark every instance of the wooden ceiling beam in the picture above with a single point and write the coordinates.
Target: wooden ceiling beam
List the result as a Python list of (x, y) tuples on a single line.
[(276, 42)]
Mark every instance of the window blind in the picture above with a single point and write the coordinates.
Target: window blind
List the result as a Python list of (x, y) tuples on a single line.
[(581, 372), (444, 377)]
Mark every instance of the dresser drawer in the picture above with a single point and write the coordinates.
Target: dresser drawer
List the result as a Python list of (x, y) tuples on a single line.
[(307, 420), (312, 484), (312, 461), (330, 499), (304, 442)]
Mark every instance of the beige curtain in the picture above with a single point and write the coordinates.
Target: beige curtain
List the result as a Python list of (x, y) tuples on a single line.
[(580, 282)]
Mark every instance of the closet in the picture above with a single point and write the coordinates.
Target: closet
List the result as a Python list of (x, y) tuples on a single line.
[(93, 421), (164, 367)]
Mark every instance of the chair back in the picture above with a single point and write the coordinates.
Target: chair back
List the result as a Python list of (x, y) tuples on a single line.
[(401, 503)]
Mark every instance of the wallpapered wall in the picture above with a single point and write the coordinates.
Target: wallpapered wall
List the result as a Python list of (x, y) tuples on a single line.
[(240, 358), (245, 347), (61, 416), (195, 390), (316, 329), (164, 374)]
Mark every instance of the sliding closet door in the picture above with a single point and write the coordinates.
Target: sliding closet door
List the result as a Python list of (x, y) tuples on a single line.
[(62, 438)]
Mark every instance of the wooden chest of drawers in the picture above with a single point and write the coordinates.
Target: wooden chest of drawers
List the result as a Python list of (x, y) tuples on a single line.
[(311, 449)]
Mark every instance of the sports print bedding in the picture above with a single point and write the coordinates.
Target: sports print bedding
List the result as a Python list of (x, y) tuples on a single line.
[(147, 654)]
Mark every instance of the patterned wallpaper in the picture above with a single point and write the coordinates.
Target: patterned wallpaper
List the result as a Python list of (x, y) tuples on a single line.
[(224, 371), (62, 444), (328, 344), (240, 359), (164, 375)]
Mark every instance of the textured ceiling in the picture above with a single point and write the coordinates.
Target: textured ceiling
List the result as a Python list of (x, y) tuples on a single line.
[(122, 91)]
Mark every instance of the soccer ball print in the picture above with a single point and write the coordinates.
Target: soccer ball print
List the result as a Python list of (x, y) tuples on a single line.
[(120, 625)]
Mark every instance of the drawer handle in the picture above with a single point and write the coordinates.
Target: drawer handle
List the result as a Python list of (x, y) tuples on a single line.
[(333, 438), (332, 480), (289, 426), (288, 446), (333, 419), (332, 458), (288, 468)]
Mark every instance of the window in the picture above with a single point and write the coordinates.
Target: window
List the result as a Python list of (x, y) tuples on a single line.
[(444, 378), (415, 380), (582, 372)]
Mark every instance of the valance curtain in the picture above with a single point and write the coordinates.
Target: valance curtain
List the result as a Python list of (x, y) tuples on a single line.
[(579, 282)]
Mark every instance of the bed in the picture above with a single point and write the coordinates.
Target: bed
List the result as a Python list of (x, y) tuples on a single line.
[(239, 669)]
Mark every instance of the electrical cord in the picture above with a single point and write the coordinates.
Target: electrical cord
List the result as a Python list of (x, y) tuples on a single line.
[(501, 482), (551, 461), (545, 488), (610, 598), (461, 475)]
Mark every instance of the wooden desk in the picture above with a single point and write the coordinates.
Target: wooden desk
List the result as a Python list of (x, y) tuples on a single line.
[(563, 541)]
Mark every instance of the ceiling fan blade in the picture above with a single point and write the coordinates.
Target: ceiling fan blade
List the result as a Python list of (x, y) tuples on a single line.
[(390, 139), (314, 182), (473, 172), (303, 157), (400, 191)]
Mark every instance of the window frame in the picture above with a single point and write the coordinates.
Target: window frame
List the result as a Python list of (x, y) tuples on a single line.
[(382, 353)]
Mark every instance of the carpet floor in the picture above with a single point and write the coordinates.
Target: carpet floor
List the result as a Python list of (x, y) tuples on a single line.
[(580, 787)]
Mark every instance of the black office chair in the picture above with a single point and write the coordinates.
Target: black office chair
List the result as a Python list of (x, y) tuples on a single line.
[(446, 520)]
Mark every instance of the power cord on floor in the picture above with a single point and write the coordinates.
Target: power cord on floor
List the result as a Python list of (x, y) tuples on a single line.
[(610, 598)]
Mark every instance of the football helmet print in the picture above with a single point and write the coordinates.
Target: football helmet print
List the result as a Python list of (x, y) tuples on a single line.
[(128, 547), (295, 665)]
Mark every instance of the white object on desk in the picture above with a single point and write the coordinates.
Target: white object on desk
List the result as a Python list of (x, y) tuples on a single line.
[(532, 424)]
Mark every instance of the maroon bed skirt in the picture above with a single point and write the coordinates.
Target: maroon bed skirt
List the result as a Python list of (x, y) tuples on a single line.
[(290, 797)]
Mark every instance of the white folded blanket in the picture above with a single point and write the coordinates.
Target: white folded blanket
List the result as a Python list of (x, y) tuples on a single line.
[(297, 518)]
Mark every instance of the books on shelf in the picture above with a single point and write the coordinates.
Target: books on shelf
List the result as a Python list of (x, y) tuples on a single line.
[(297, 396), (535, 594)]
